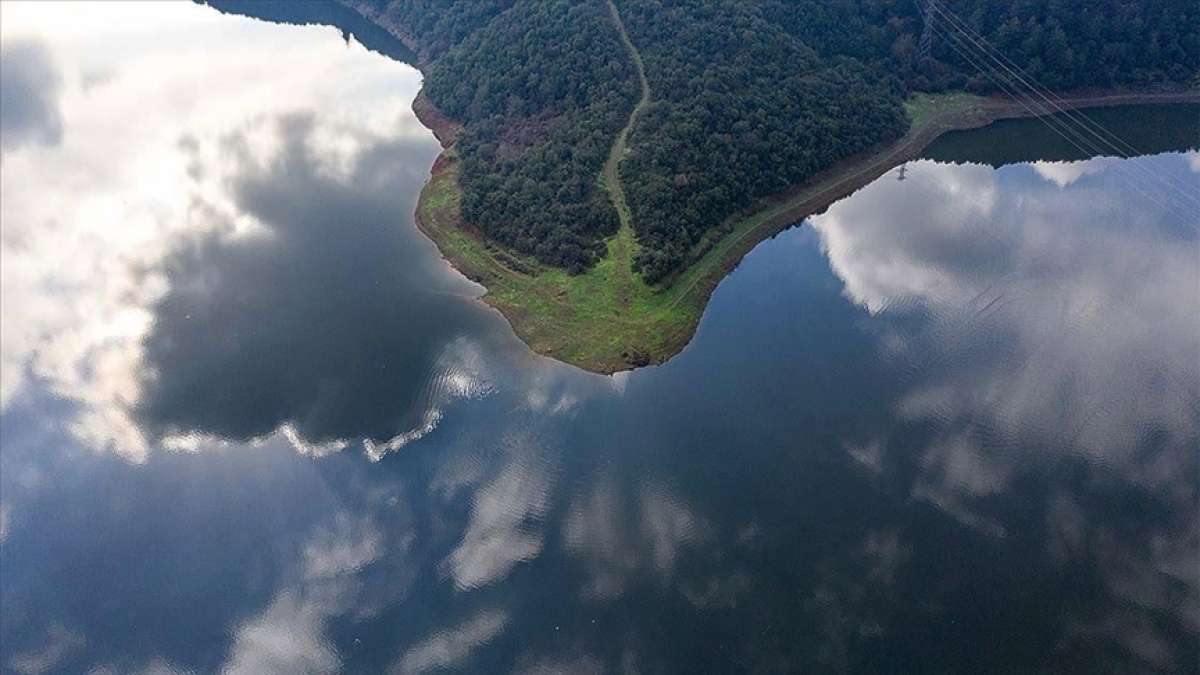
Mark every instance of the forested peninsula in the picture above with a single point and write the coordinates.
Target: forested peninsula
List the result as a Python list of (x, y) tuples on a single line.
[(607, 161)]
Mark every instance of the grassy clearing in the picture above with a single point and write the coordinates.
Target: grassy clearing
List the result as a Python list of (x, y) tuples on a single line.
[(604, 320), (922, 108), (607, 319)]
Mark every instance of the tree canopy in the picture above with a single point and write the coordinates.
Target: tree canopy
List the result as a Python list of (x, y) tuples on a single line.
[(747, 98)]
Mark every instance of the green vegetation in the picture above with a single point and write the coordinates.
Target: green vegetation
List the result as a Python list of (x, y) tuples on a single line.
[(1064, 44), (749, 99), (608, 319), (542, 92), (920, 108), (440, 24), (604, 320), (612, 168), (741, 110), (600, 219)]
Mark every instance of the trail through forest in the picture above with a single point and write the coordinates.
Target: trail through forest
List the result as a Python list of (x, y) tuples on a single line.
[(621, 247)]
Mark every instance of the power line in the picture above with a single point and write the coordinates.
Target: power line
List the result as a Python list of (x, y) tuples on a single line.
[(1067, 115), (1056, 124), (1113, 142), (1050, 121)]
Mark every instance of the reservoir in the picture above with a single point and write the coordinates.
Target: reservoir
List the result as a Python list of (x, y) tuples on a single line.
[(252, 422)]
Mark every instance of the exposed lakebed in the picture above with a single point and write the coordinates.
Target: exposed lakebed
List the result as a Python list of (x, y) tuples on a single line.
[(253, 423)]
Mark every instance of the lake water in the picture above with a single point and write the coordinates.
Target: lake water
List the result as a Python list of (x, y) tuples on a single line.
[(252, 423)]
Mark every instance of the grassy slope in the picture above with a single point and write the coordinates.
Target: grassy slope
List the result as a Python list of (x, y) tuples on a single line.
[(604, 320), (621, 282)]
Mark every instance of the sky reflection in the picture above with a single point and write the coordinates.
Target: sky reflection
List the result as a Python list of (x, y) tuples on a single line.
[(253, 423), (1063, 314), (229, 199)]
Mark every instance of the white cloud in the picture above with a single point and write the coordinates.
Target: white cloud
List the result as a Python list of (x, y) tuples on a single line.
[(455, 473), (717, 591), (614, 550), (886, 553), (594, 532), (504, 528), (289, 636), (452, 647), (1063, 174), (552, 390), (462, 373), (1076, 308), (59, 643), (346, 546), (582, 664), (877, 277), (82, 220), (1193, 159), (668, 525), (155, 666), (300, 445), (961, 465), (869, 454)]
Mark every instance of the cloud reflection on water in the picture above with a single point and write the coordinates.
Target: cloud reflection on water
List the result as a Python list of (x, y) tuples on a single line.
[(1076, 317), (329, 320), (505, 524), (1071, 337), (1009, 364), (228, 237), (29, 95), (451, 647)]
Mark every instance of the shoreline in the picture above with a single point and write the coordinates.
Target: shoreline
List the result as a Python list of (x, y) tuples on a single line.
[(608, 320), (550, 326), (776, 213)]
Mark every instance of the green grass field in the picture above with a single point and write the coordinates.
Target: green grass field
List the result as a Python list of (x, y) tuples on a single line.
[(923, 107), (603, 320)]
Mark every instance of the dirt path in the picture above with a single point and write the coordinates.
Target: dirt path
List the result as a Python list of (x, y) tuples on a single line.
[(621, 246)]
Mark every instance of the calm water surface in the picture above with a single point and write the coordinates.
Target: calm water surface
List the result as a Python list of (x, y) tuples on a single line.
[(252, 423)]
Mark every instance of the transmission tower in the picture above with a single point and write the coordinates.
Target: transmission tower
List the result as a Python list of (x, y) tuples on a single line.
[(925, 46)]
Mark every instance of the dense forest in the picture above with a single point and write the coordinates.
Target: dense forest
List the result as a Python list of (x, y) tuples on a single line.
[(741, 109), (747, 98), (439, 25), (541, 87), (542, 91), (1063, 44)]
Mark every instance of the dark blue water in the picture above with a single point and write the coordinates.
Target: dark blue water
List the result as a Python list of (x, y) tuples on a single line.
[(252, 423)]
